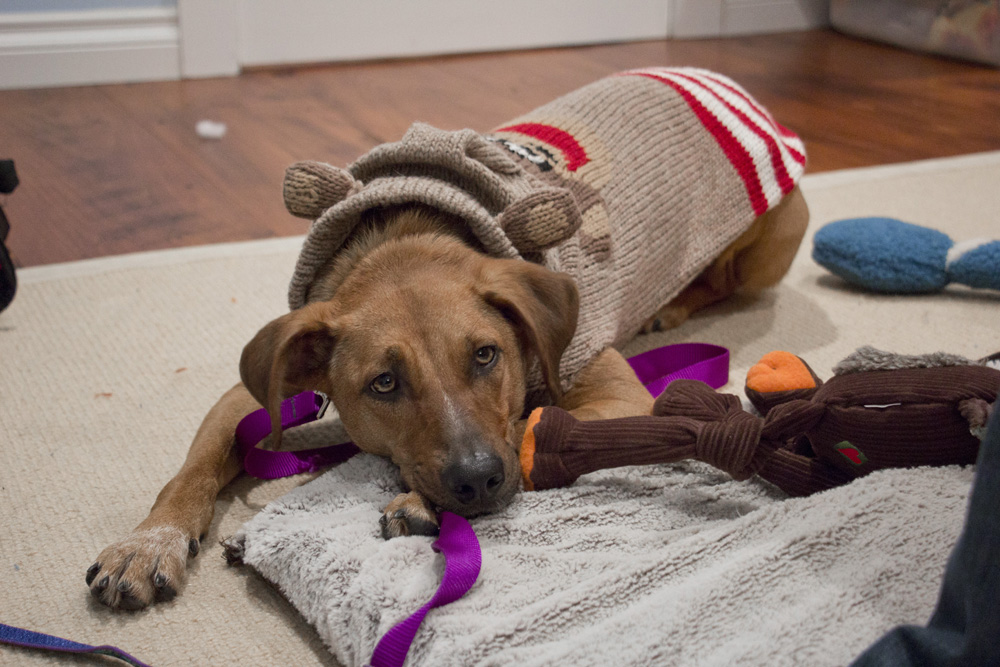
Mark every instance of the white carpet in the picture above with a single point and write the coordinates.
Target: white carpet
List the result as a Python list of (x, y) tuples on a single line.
[(107, 367)]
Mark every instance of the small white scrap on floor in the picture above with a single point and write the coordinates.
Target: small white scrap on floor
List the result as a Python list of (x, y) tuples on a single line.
[(210, 129)]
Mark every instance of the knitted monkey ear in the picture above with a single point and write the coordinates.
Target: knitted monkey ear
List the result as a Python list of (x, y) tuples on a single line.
[(541, 220), (312, 187)]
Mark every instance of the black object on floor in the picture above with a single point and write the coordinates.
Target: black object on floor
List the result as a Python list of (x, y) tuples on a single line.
[(8, 280)]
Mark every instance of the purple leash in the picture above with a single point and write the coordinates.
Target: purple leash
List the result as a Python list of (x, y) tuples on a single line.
[(683, 361), (295, 411), (28, 639), (462, 560)]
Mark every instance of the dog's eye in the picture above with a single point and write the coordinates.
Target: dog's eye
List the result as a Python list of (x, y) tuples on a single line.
[(383, 384), (486, 354)]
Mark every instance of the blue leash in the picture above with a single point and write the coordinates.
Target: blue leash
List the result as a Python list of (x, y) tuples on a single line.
[(28, 639)]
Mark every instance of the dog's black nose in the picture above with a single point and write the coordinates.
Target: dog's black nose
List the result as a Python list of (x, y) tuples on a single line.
[(475, 478)]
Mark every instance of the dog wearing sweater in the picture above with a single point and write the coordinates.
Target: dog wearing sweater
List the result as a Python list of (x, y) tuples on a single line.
[(452, 280)]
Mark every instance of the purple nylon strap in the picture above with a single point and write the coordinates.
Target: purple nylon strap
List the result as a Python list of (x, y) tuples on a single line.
[(28, 639), (689, 361), (463, 558), (299, 409)]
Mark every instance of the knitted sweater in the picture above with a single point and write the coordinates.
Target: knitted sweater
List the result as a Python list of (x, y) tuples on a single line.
[(632, 185)]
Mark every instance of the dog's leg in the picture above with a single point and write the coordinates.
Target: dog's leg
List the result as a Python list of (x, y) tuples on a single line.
[(758, 259), (607, 388), (150, 564)]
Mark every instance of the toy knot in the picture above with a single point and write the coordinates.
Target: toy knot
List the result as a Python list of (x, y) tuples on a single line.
[(729, 437), (731, 444), (791, 419), (694, 399)]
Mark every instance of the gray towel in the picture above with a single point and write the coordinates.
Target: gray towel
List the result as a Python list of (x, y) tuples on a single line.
[(671, 564)]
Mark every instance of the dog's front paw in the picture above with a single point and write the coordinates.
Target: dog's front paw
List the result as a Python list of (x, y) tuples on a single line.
[(147, 566), (408, 514)]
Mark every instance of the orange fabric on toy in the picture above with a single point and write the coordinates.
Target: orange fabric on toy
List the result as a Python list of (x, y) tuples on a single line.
[(528, 448), (779, 371)]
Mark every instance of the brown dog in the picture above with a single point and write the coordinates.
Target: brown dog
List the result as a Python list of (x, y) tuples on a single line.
[(425, 345)]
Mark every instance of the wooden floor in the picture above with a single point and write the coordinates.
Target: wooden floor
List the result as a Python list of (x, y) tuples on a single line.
[(114, 169)]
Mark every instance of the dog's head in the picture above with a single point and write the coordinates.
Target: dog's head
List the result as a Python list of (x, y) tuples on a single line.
[(424, 350)]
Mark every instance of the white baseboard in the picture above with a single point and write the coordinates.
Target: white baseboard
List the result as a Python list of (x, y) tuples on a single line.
[(43, 49)]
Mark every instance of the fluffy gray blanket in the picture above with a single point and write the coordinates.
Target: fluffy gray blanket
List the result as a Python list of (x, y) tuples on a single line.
[(670, 564)]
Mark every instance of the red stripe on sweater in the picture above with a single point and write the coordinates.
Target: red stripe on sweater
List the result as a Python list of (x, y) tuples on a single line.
[(777, 160), (733, 149), (788, 134), (576, 157), (796, 155), (781, 130)]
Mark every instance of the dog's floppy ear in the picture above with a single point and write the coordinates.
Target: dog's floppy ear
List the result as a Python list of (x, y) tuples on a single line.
[(289, 355), (543, 306)]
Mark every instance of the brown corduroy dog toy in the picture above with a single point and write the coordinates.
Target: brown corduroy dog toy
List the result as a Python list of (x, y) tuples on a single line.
[(879, 410)]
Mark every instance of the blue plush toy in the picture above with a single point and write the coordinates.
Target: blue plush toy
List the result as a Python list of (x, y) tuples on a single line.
[(886, 255)]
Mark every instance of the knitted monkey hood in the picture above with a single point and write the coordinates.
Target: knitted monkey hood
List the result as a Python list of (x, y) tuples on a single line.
[(461, 173)]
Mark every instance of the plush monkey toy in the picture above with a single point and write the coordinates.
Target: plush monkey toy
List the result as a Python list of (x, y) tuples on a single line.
[(879, 410)]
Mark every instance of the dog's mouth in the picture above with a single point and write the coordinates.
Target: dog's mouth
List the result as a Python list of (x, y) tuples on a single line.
[(495, 504), (468, 505), (469, 478)]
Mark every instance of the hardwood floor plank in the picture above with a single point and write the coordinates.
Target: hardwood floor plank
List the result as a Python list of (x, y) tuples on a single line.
[(113, 169)]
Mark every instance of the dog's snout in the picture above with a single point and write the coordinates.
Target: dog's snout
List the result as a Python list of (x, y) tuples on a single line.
[(474, 479)]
